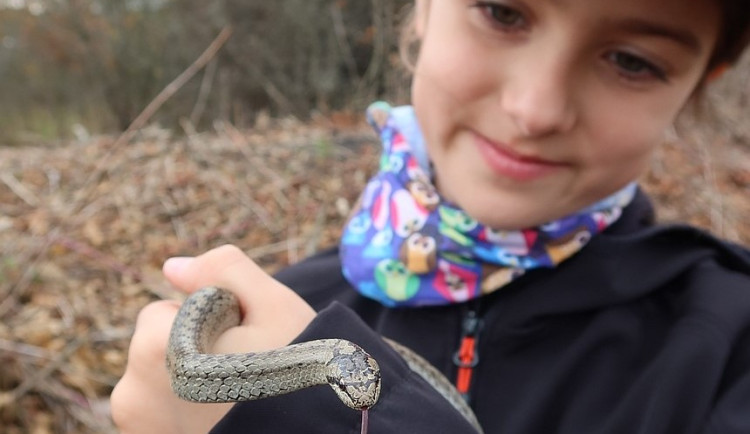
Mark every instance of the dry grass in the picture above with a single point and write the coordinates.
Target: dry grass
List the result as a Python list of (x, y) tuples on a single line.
[(80, 258), (84, 229)]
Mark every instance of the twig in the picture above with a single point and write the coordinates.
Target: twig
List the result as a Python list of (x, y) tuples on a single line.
[(240, 142), (79, 407), (151, 109), (261, 76), (19, 189), (270, 249), (27, 277), (23, 349), (236, 138), (205, 90), (175, 85), (317, 232), (111, 334), (716, 202), (173, 214), (291, 251), (101, 257), (339, 29), (32, 382), (380, 46)]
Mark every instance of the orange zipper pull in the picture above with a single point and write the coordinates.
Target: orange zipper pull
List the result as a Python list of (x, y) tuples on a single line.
[(467, 356)]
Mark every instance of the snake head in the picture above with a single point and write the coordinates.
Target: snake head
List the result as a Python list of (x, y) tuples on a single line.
[(354, 375)]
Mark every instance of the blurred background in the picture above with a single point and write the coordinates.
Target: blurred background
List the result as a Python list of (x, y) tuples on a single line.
[(95, 64), (135, 130)]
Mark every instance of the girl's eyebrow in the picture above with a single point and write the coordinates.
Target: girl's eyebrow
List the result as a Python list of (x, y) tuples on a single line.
[(683, 37)]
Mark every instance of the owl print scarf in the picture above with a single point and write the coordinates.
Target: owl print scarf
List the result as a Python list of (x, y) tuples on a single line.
[(405, 245)]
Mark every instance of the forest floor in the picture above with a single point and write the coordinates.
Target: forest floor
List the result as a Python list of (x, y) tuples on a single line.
[(85, 227)]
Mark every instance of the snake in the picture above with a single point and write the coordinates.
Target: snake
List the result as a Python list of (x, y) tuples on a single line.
[(197, 375)]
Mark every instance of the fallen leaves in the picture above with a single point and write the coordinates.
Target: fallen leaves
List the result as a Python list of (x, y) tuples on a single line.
[(80, 255)]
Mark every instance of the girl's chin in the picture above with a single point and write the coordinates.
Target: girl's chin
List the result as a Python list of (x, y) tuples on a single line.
[(508, 205), (514, 217)]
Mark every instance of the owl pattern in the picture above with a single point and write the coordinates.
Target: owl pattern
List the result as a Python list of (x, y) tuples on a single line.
[(406, 245)]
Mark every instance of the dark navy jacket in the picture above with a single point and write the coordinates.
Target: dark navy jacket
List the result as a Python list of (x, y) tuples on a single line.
[(645, 331)]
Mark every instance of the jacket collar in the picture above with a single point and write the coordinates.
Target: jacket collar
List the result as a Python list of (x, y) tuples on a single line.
[(631, 259)]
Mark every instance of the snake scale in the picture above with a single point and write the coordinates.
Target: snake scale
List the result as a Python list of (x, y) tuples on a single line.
[(353, 374)]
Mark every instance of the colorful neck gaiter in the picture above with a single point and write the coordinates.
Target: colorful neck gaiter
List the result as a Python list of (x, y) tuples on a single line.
[(406, 246)]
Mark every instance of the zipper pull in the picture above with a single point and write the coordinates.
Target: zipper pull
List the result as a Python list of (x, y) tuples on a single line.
[(466, 358)]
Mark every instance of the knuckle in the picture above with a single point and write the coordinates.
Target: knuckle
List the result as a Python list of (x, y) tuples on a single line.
[(153, 325), (153, 312), (227, 251), (121, 407), (228, 262), (217, 261)]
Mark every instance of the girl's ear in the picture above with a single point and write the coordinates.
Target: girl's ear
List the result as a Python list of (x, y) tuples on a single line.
[(422, 10)]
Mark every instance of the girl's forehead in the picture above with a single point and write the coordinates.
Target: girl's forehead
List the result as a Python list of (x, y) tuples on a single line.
[(691, 23), (705, 10), (694, 24)]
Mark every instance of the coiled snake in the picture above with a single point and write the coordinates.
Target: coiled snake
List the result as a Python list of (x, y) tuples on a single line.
[(352, 373)]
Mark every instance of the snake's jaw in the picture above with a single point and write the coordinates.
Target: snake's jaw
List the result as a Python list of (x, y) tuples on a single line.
[(355, 377)]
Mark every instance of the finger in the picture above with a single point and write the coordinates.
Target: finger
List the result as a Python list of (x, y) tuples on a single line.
[(134, 403), (149, 342), (265, 303), (145, 371)]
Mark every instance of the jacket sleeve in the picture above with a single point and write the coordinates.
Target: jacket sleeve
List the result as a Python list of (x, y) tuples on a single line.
[(731, 414), (407, 403)]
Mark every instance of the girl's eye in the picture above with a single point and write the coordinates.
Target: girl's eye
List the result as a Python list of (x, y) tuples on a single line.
[(501, 15), (634, 67)]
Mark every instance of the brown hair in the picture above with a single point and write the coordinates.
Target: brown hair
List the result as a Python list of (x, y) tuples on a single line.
[(735, 35), (733, 40)]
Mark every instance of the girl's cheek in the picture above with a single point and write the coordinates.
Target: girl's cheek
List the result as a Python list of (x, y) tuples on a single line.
[(455, 67), (629, 125)]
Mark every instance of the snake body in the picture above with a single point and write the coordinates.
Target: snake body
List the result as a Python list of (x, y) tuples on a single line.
[(353, 374)]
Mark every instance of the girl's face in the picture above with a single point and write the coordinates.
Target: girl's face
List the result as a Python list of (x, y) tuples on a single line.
[(535, 109)]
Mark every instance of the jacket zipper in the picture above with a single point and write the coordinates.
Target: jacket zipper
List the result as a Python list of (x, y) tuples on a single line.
[(466, 358)]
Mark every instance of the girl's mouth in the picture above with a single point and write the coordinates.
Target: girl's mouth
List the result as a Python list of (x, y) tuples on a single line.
[(505, 162)]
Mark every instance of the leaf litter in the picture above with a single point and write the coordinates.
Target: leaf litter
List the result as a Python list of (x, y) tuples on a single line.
[(85, 227)]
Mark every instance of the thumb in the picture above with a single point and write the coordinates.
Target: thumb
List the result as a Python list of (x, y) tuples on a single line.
[(226, 266)]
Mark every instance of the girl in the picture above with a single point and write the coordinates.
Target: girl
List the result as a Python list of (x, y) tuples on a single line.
[(504, 240)]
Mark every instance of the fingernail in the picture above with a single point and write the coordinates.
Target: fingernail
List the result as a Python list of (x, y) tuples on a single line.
[(177, 264)]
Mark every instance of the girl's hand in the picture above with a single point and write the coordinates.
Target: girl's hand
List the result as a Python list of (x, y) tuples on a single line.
[(273, 315)]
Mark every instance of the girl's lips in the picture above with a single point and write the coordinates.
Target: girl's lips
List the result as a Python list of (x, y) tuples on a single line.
[(507, 163)]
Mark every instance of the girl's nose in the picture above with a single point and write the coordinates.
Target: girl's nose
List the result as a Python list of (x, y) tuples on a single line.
[(539, 96)]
